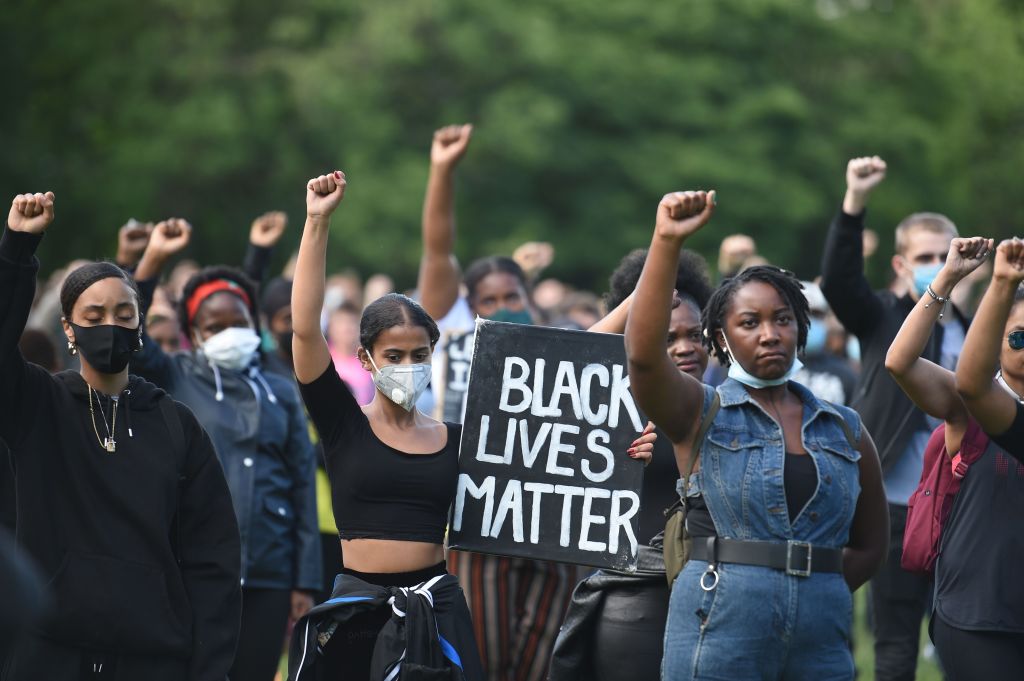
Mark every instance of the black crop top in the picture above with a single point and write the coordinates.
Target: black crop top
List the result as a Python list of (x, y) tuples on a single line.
[(377, 491)]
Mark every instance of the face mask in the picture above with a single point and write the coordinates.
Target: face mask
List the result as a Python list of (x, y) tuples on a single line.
[(284, 342), (401, 383), (853, 349), (817, 333), (231, 349), (738, 373), (924, 275), (503, 314), (107, 347)]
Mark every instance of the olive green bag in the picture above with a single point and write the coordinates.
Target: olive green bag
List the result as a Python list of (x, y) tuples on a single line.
[(676, 545)]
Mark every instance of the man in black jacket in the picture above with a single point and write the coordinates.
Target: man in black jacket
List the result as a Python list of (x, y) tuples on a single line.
[(900, 430)]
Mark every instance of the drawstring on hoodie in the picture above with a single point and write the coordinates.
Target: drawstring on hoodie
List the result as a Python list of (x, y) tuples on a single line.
[(217, 380), (254, 372), (128, 411)]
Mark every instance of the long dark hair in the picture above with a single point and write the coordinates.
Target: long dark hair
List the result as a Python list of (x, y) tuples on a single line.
[(389, 311)]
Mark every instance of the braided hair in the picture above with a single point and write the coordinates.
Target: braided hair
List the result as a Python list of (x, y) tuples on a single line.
[(85, 276), (208, 274), (692, 280), (783, 281)]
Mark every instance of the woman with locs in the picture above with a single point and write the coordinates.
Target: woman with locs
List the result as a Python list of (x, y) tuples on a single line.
[(978, 625), (121, 501), (795, 514), (261, 434)]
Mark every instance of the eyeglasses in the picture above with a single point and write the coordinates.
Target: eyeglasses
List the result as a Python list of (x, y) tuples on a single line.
[(1016, 340)]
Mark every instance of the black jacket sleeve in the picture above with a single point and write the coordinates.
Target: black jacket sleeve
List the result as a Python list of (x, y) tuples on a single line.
[(257, 262), (21, 384), (302, 463), (210, 556), (151, 362), (842, 276)]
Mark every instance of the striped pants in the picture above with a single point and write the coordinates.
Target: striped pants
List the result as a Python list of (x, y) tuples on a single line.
[(517, 605)]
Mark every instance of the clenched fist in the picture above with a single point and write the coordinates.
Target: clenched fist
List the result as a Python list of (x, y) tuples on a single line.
[(450, 144), (862, 175), (681, 214), (324, 193), (169, 238), (267, 229), (132, 239), (31, 213), (1009, 261)]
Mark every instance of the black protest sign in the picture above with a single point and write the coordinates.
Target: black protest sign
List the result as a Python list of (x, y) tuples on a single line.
[(543, 469), (457, 356)]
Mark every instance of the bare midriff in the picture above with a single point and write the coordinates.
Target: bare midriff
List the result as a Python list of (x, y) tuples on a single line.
[(389, 555)]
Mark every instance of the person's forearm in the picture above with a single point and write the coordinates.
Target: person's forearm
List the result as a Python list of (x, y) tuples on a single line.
[(615, 321), (910, 342), (651, 309), (150, 266), (310, 278), (980, 353), (860, 565), (854, 202), (439, 212)]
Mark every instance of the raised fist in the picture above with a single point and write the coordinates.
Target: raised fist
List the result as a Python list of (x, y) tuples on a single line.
[(324, 193), (450, 144), (1009, 261), (31, 213), (267, 229), (534, 257), (132, 239), (864, 174), (681, 214), (966, 255), (169, 238)]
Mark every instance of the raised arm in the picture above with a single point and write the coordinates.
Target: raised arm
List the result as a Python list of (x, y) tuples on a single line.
[(30, 215), (989, 404), (615, 320), (264, 234), (167, 239), (931, 387), (843, 282), (439, 276), (309, 347), (868, 545), (670, 398)]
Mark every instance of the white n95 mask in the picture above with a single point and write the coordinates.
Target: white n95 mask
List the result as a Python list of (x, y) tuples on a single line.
[(401, 383), (233, 348)]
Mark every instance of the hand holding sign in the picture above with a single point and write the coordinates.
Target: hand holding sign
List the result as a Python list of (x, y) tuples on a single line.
[(682, 214)]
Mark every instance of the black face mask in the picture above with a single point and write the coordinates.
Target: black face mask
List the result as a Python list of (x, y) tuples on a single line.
[(284, 342), (107, 347)]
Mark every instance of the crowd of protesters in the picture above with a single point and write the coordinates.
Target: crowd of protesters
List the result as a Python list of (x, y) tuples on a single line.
[(198, 460)]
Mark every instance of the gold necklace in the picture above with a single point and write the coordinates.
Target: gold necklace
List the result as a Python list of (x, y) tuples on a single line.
[(107, 443)]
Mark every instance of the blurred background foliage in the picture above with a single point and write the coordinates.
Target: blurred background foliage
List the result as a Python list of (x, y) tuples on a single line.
[(586, 112)]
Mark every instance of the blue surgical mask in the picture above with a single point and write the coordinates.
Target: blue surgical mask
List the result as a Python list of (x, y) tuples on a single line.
[(738, 373), (817, 334), (853, 349), (924, 275), (503, 314)]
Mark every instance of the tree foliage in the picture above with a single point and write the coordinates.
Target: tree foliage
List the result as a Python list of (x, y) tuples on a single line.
[(586, 113)]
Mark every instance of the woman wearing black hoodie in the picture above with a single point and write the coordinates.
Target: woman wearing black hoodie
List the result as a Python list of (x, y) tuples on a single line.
[(121, 501)]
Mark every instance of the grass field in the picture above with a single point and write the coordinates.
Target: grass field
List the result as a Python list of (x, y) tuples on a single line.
[(864, 655)]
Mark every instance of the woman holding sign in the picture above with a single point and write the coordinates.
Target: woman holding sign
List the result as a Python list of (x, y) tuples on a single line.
[(796, 516)]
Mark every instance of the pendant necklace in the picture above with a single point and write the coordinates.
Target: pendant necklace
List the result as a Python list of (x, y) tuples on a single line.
[(108, 442)]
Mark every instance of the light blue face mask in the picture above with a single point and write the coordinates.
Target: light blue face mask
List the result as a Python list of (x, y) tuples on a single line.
[(738, 373), (924, 275), (853, 349), (503, 314), (817, 334)]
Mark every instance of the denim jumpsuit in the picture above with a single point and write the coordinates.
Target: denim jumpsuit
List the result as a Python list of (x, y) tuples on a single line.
[(758, 622)]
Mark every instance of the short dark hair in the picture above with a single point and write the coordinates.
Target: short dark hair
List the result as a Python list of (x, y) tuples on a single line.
[(389, 311), (277, 294), (788, 286), (692, 280), (479, 269), (85, 276), (208, 274)]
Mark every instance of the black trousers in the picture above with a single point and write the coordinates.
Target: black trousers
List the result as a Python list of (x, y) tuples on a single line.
[(899, 601), (261, 639), (969, 655)]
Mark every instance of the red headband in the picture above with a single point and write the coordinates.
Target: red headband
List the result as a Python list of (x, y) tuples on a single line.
[(206, 290)]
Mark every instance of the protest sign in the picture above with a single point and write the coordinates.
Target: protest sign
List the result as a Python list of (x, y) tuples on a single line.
[(543, 469)]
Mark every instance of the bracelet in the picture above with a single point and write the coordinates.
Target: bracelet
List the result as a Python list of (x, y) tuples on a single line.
[(936, 298)]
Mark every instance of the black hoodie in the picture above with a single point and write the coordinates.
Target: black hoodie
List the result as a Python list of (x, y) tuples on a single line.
[(140, 546)]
